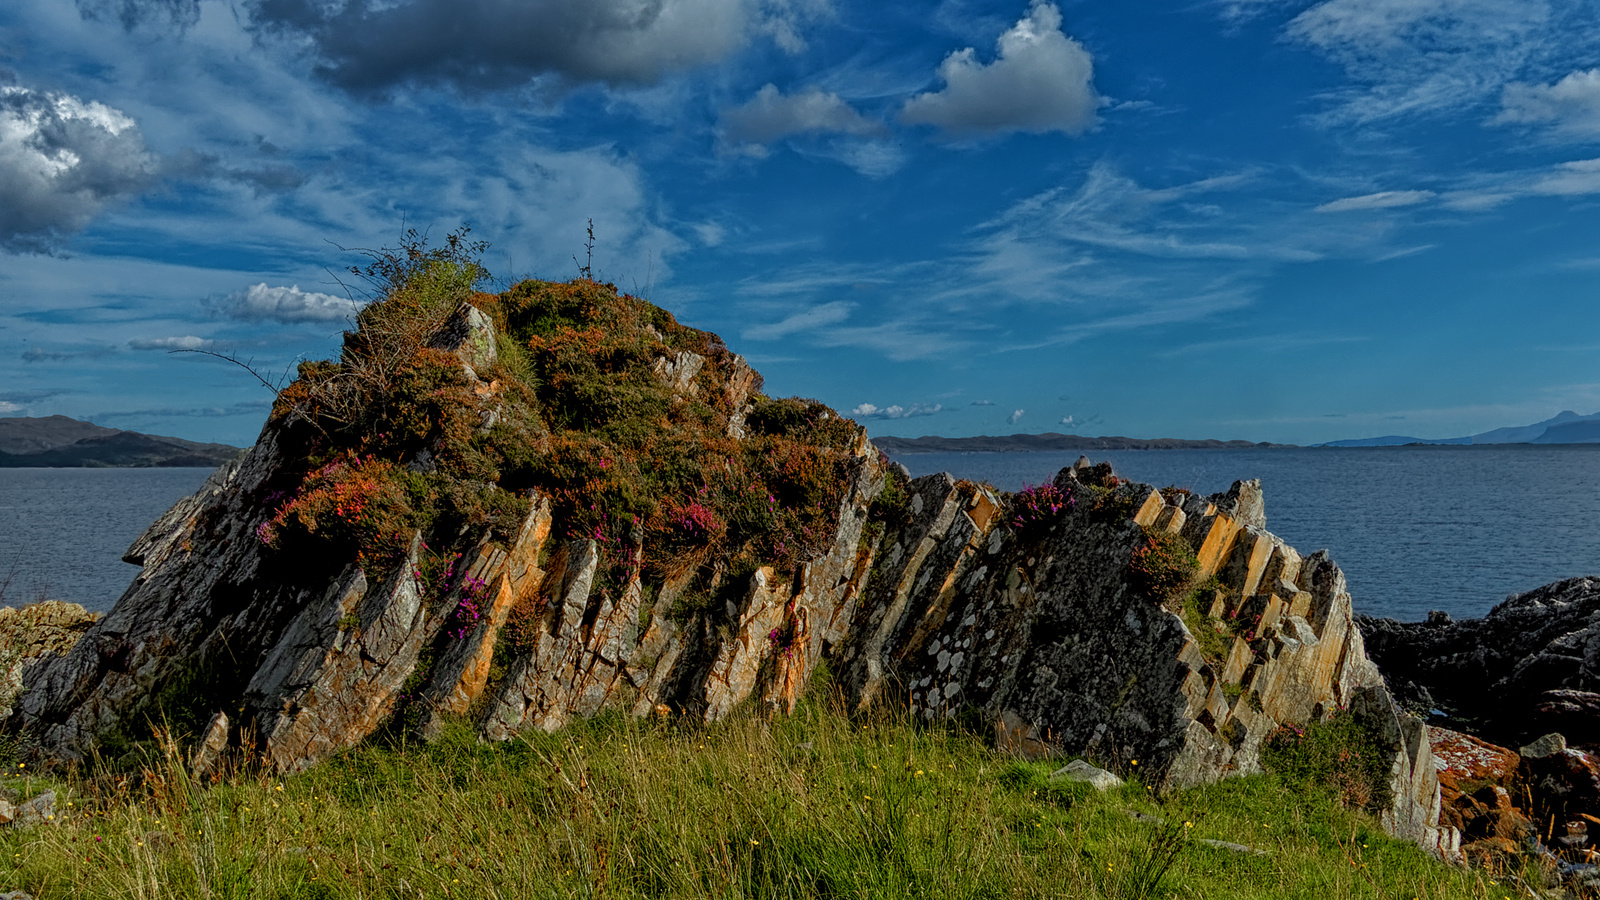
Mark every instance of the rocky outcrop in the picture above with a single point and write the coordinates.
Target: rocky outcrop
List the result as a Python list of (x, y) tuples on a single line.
[(1038, 627), (1163, 634), (1531, 666), (32, 634)]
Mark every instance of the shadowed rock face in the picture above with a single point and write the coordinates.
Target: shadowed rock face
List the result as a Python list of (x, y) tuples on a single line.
[(955, 605), (1531, 666)]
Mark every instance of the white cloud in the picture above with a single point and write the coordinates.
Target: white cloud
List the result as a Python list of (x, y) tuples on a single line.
[(982, 403), (1571, 179), (186, 342), (710, 234), (1572, 104), (375, 45), (1380, 200), (7, 408), (870, 411), (1422, 56), (771, 115), (1015, 417), (62, 160), (260, 303), (816, 317), (1040, 81)]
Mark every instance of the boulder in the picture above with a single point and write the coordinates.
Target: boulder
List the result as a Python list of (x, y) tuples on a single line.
[(1081, 771)]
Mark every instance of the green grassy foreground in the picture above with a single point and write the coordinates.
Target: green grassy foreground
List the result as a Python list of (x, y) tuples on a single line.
[(812, 805)]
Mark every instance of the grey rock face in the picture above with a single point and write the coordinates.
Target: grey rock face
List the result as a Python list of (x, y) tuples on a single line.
[(1522, 670)]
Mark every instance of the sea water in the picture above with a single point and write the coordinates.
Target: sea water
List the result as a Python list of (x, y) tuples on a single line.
[(63, 531), (1414, 528)]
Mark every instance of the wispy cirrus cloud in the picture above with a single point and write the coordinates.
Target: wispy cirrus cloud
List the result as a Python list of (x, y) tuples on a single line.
[(1380, 200), (810, 319), (1429, 56)]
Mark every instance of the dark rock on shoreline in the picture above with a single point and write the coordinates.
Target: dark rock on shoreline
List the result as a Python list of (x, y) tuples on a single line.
[(1531, 666)]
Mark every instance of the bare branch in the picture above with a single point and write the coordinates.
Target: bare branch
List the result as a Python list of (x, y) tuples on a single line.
[(238, 362)]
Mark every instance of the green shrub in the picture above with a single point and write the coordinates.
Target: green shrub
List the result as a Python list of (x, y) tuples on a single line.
[(1337, 755), (1164, 568)]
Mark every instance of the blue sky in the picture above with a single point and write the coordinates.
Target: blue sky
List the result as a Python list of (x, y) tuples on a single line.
[(1259, 219)]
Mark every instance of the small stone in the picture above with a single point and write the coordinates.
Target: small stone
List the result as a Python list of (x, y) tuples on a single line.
[(16, 895), (209, 752), (7, 812), (1236, 848), (1549, 745), (40, 809), (1079, 770)]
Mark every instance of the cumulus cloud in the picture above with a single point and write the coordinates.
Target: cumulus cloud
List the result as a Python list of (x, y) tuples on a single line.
[(819, 316), (1015, 417), (62, 160), (1572, 104), (1039, 81), (982, 403), (185, 342), (1380, 200), (289, 305), (871, 411), (374, 45), (771, 115), (9, 409)]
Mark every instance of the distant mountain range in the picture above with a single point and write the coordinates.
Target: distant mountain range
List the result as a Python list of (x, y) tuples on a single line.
[(1051, 441), (65, 443), (1566, 427)]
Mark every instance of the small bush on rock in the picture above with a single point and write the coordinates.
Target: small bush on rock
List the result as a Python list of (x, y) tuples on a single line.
[(1164, 569)]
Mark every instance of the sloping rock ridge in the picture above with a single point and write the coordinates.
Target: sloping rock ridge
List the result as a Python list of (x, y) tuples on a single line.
[(503, 560)]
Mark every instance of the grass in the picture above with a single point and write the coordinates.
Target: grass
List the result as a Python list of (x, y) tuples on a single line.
[(810, 805)]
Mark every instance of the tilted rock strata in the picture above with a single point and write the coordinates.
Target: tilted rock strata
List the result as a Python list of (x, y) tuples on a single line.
[(1045, 636), (948, 606)]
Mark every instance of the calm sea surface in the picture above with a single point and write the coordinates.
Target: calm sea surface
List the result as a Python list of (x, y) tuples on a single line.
[(1414, 528), (63, 531)]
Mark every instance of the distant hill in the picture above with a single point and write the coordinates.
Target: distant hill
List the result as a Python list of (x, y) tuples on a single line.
[(1566, 427), (66, 443), (1052, 441)]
